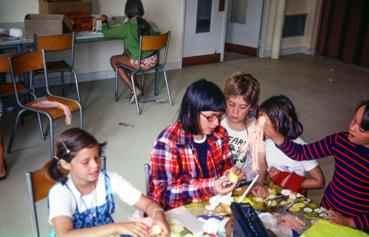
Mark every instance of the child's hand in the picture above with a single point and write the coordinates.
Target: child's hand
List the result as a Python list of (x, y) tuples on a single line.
[(259, 191), (223, 185), (270, 131), (338, 218), (136, 229), (237, 171), (103, 18), (162, 223), (273, 172)]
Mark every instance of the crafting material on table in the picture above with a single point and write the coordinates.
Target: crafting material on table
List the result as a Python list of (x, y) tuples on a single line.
[(248, 188)]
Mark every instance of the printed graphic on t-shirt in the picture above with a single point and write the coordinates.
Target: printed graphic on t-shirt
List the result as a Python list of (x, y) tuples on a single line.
[(234, 145)]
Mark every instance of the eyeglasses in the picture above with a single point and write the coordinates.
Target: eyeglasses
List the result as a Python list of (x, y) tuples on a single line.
[(211, 118)]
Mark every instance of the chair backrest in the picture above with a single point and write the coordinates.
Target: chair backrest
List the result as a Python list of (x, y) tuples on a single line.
[(38, 186), (4, 63), (155, 43), (6, 89), (27, 63), (56, 43), (147, 177)]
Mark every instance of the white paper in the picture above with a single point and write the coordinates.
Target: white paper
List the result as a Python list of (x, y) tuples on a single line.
[(186, 219)]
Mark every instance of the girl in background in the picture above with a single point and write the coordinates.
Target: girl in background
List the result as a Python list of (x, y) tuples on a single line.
[(347, 195), (130, 32), (298, 176), (81, 203)]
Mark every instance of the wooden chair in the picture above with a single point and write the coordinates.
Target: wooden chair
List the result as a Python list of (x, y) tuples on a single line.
[(38, 186), (148, 43), (54, 43), (27, 63), (6, 89)]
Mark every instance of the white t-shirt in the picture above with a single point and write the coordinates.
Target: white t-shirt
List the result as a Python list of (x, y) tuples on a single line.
[(236, 139), (275, 157), (62, 202)]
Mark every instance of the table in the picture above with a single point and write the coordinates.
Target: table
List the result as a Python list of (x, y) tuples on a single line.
[(299, 206)]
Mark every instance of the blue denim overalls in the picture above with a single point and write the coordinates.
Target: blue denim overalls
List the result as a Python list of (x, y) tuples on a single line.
[(94, 216)]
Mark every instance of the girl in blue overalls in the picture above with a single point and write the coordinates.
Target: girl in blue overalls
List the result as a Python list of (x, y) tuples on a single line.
[(81, 202)]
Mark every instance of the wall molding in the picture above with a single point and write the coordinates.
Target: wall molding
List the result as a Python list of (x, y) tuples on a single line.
[(288, 51)]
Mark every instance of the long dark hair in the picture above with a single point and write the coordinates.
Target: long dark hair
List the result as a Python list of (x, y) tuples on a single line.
[(67, 145), (365, 120), (282, 113), (134, 8), (201, 95)]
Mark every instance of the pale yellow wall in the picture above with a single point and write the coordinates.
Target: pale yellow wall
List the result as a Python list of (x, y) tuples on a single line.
[(300, 7), (93, 57), (311, 8)]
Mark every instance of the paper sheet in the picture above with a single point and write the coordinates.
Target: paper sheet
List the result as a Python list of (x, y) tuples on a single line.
[(185, 218)]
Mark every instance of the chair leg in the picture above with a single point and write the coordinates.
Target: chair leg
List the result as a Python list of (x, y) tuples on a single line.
[(155, 81), (47, 129), (51, 137), (14, 129), (77, 86), (40, 126), (62, 83), (135, 94), (116, 83), (80, 117), (167, 85), (142, 83)]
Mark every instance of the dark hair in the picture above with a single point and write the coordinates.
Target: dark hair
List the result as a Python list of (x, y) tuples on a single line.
[(134, 8), (67, 145), (365, 120), (243, 84), (201, 95), (282, 113)]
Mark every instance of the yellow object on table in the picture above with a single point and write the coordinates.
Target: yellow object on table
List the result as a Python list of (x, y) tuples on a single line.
[(324, 228)]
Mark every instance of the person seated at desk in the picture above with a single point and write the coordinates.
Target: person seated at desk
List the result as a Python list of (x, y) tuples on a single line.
[(190, 160), (347, 194), (130, 32)]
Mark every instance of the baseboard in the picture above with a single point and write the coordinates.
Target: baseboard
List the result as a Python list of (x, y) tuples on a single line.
[(203, 59), (287, 51), (240, 49), (54, 78)]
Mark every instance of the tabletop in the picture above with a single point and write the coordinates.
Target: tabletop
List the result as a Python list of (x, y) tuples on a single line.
[(280, 202)]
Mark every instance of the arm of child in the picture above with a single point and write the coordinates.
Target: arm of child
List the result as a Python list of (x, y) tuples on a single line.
[(63, 227), (153, 210), (315, 179), (338, 218), (285, 179)]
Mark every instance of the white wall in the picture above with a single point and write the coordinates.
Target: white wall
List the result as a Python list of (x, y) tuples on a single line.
[(94, 57)]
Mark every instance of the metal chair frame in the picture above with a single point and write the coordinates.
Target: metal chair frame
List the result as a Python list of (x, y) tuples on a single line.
[(29, 62), (147, 177), (54, 43), (147, 43)]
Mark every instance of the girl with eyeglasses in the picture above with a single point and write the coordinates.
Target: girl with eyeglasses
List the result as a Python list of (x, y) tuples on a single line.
[(190, 160), (81, 203)]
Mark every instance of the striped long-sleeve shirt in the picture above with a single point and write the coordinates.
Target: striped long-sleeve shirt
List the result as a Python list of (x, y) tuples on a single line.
[(176, 174), (348, 191)]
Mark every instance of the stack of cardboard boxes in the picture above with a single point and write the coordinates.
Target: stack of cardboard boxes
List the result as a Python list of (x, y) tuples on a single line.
[(57, 17)]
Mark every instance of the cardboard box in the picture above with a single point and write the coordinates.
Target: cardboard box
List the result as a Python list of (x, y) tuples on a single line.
[(46, 24), (61, 7)]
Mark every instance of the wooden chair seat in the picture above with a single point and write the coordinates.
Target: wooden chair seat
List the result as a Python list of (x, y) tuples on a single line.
[(55, 112)]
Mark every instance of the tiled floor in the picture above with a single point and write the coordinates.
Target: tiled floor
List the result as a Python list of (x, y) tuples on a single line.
[(324, 93)]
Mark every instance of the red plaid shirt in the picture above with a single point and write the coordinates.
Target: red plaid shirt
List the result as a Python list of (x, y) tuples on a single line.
[(176, 175)]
